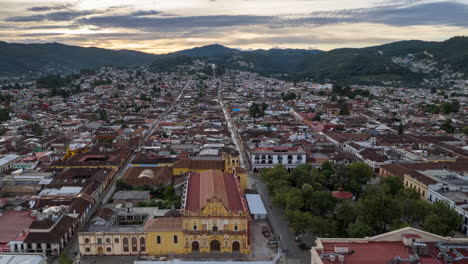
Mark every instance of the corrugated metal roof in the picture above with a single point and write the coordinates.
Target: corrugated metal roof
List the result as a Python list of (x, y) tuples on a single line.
[(256, 205)]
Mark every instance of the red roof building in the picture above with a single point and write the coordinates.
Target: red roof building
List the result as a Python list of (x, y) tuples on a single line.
[(406, 245), (211, 184), (13, 224)]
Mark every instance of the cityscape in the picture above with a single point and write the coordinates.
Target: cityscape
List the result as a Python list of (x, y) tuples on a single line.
[(223, 154)]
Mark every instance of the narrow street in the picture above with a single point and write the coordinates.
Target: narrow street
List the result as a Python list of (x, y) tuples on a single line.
[(293, 254)]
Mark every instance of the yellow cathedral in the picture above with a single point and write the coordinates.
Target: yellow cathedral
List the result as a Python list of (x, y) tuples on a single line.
[(214, 218)]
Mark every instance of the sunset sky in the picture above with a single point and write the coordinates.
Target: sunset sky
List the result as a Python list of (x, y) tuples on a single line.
[(162, 26)]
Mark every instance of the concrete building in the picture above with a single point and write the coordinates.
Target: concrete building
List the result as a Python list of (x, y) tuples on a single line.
[(262, 158)]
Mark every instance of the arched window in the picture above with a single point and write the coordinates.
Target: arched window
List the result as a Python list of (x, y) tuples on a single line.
[(125, 244), (134, 244), (215, 229), (142, 244)]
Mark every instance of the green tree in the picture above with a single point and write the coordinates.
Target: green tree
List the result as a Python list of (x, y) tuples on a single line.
[(443, 220), (465, 130), (64, 259), (401, 129), (344, 110), (321, 202), (4, 114), (121, 185), (447, 126), (359, 229), (37, 129), (345, 212)]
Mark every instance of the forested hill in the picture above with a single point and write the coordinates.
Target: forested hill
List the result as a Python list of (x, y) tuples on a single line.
[(407, 61), (39, 59)]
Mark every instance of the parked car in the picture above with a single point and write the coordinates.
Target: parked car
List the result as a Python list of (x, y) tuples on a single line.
[(272, 243)]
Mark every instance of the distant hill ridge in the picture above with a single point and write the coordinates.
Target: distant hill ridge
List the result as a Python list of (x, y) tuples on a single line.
[(363, 64)]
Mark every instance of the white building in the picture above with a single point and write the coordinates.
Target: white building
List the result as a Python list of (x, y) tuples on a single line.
[(262, 158)]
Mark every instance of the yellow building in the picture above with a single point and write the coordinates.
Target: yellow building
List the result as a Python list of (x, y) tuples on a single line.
[(214, 219), (165, 236), (215, 214), (231, 160), (418, 182), (112, 243)]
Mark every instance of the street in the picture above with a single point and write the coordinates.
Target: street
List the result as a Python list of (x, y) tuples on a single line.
[(293, 254)]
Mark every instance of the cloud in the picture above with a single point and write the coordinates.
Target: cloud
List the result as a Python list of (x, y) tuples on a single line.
[(53, 16), (165, 24), (145, 13), (46, 8), (40, 34), (437, 13)]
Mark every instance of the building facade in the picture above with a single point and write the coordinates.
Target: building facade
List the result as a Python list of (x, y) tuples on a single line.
[(262, 158)]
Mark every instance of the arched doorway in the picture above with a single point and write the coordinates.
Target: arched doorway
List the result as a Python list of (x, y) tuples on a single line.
[(195, 246), (100, 251), (235, 246), (215, 245)]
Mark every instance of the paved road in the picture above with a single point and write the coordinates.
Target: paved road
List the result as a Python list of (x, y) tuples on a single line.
[(275, 216), (72, 246)]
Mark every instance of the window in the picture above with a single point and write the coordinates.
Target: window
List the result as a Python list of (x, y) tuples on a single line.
[(99, 240), (236, 228), (158, 240), (88, 249), (134, 244), (176, 239), (215, 229), (116, 240), (142, 244), (195, 227), (125, 244), (108, 240), (108, 249), (86, 240)]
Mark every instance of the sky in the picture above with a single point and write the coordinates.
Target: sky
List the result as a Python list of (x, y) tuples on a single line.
[(163, 26)]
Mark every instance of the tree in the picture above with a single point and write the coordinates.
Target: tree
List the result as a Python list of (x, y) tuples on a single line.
[(359, 174), (301, 175), (321, 202), (359, 229), (121, 185), (393, 185), (64, 259), (102, 114), (344, 109), (401, 129), (37, 129), (4, 114), (443, 220), (257, 111), (322, 227), (345, 212), (447, 126), (465, 130)]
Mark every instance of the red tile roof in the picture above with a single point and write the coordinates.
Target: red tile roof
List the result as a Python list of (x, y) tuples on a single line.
[(213, 184), (13, 223), (382, 252)]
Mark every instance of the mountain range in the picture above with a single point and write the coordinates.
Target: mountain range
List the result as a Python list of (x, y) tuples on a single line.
[(409, 61)]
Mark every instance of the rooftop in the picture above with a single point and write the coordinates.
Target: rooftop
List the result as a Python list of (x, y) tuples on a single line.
[(213, 184), (13, 223)]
